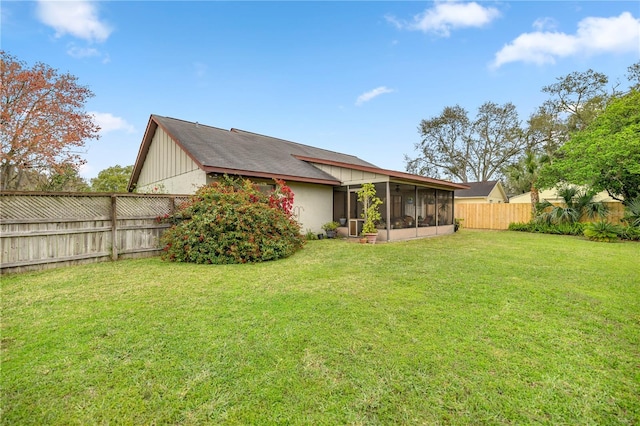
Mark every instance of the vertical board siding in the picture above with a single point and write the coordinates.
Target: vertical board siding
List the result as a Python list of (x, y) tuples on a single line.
[(39, 231), (165, 159), (499, 216)]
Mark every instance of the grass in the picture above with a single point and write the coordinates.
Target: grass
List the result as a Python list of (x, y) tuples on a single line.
[(473, 328)]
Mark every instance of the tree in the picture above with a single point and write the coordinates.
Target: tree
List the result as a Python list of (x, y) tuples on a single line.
[(43, 121), (546, 131), (606, 154), (112, 179), (458, 148), (577, 98), (575, 101), (523, 176), (633, 75), (544, 134), (67, 179)]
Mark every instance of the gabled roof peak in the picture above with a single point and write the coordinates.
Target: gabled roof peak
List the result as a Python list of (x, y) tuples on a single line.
[(239, 152), (195, 123)]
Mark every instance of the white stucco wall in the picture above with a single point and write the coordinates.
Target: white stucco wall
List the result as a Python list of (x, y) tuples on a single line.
[(312, 205)]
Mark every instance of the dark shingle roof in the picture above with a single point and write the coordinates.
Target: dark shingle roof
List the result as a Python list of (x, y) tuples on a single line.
[(250, 152), (237, 152), (477, 189)]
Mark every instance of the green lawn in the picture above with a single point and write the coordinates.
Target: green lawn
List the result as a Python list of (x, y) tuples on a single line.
[(472, 328)]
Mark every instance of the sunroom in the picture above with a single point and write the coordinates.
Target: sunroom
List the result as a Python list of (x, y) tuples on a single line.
[(407, 210), (412, 206)]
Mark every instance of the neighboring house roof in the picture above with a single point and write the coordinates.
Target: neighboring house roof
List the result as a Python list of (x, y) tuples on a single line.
[(239, 152), (481, 190)]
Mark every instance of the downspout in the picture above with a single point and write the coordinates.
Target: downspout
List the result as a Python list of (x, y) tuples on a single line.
[(453, 210), (415, 208), (348, 211), (436, 211), (388, 211)]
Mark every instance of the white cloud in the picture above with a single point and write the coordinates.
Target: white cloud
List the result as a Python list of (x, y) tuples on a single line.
[(367, 96), (82, 52), (542, 24), (110, 123), (78, 18), (448, 15), (594, 36)]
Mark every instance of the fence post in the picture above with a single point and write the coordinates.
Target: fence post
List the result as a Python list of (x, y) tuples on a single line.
[(114, 228)]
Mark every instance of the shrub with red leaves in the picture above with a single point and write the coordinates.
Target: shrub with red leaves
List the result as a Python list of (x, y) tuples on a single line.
[(232, 221)]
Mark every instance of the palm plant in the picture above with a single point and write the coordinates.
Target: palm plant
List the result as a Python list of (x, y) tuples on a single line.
[(602, 231), (577, 204), (632, 213), (523, 175)]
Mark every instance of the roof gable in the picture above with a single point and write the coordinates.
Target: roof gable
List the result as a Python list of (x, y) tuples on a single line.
[(477, 189)]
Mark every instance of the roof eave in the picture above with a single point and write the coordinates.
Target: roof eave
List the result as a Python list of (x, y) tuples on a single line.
[(390, 173), (286, 178), (152, 125)]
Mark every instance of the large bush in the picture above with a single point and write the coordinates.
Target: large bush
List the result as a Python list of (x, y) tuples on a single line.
[(232, 221)]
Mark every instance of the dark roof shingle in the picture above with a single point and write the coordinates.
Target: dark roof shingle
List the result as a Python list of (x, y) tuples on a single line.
[(238, 152), (477, 189), (250, 152)]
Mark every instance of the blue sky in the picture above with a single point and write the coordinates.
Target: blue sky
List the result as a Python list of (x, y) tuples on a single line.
[(355, 77)]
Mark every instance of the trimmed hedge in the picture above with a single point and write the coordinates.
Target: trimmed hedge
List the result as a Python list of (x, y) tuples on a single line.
[(549, 228), (591, 230)]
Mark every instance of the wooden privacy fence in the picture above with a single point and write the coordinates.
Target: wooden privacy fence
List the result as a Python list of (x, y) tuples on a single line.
[(499, 216), (44, 230)]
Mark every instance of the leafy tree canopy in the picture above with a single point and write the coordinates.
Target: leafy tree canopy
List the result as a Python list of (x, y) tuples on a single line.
[(575, 101), (456, 147), (65, 180), (606, 154), (112, 179), (577, 98), (43, 121)]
